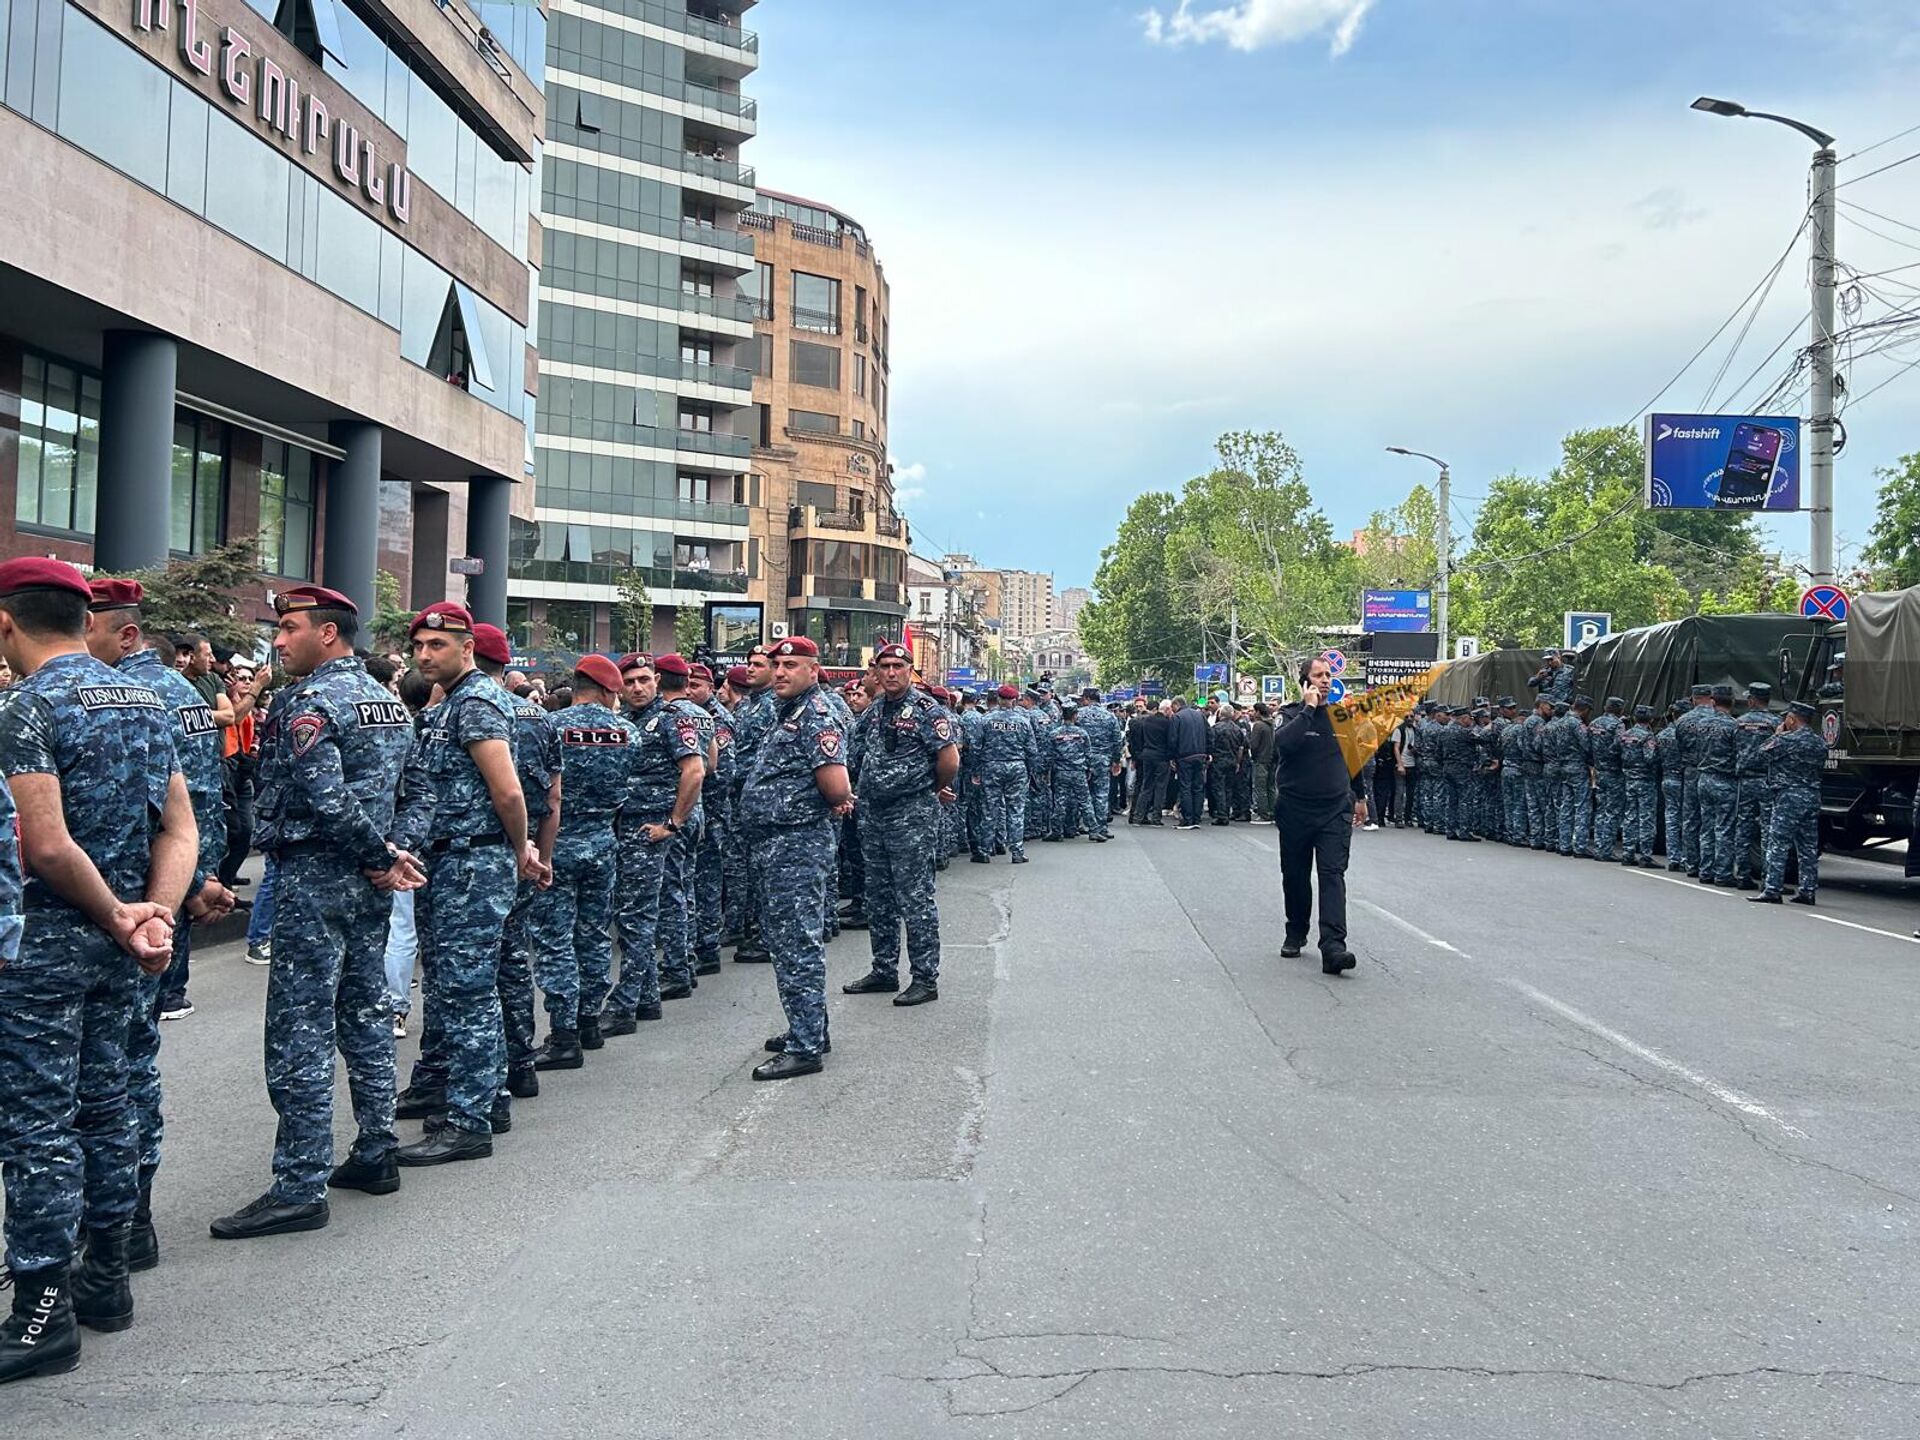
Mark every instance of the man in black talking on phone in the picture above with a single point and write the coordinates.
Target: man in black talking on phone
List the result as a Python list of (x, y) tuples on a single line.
[(1317, 804)]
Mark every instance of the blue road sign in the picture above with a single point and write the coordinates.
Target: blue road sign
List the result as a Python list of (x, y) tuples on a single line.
[(1723, 462), (1582, 627), (1210, 674), (1153, 687), (1825, 602), (1273, 687), (1336, 691)]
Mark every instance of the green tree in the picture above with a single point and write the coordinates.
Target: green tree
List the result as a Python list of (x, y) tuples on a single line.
[(1132, 627), (689, 629), (390, 618), (1398, 544), (198, 592), (633, 613), (1892, 552)]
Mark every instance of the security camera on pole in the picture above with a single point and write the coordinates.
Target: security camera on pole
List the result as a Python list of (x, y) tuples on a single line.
[(1820, 238)]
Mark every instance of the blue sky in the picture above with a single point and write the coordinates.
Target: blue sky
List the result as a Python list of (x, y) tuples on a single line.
[(1464, 226)]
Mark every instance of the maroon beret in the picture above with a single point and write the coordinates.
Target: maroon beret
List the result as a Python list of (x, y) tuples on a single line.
[(312, 597), (1007, 692), (634, 660), (795, 645), (738, 676), (490, 643), (764, 651), (32, 573), (116, 594), (940, 692), (598, 670), (700, 672), (672, 665), (893, 650), (443, 616)]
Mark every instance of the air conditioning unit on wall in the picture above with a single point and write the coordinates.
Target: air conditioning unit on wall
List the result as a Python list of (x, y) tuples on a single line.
[(778, 629)]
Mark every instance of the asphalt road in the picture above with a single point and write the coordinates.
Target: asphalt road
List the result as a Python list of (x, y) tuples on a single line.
[(1576, 1151)]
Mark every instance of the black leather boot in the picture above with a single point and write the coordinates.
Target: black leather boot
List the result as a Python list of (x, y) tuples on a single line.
[(39, 1337), (561, 1052), (416, 1103), (523, 1084), (590, 1033), (102, 1298), (143, 1247)]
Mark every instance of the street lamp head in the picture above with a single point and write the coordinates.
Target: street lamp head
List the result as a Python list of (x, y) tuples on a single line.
[(1398, 450), (1719, 107), (1732, 108)]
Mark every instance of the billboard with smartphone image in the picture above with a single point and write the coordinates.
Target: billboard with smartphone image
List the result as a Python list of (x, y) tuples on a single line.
[(1723, 462)]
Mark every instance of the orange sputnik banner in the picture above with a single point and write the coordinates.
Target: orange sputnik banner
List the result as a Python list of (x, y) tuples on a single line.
[(1362, 723)]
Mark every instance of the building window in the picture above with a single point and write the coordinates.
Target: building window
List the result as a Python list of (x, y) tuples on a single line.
[(763, 356), (813, 421), (859, 429), (816, 303), (762, 292), (695, 281), (860, 375), (816, 365), (286, 510), (697, 418), (696, 350), (198, 514), (695, 489), (764, 415), (860, 313), (59, 446)]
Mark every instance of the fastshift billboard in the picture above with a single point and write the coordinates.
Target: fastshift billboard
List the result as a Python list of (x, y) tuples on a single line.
[(1396, 610), (1723, 462)]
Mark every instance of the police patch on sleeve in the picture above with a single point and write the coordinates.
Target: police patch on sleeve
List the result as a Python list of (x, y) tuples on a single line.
[(943, 728), (305, 732), (829, 743)]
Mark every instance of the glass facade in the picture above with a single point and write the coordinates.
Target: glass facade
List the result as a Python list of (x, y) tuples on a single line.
[(587, 554), (286, 510), (59, 446), (197, 519)]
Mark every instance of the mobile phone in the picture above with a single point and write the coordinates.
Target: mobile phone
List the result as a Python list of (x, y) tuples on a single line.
[(1747, 477)]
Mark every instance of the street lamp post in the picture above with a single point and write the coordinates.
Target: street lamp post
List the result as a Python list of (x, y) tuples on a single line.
[(1820, 348), (1442, 541)]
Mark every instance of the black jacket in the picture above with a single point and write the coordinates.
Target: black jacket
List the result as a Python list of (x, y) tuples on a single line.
[(1147, 737), (1310, 775), (1187, 737)]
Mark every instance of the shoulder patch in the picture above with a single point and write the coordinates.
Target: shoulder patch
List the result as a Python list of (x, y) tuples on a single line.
[(305, 732), (379, 713), (117, 697), (829, 742)]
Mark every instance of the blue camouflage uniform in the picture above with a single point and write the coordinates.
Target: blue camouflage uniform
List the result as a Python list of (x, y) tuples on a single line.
[(1513, 782), (1795, 760), (1009, 758), (69, 1142), (472, 876), (900, 742), (677, 894), (668, 733), (752, 717), (1687, 742), (1639, 755), (196, 744), (973, 786), (1718, 766), (536, 760), (1105, 742), (1457, 760), (1486, 776), (1065, 758), (1666, 748), (709, 871), (1753, 795), (850, 878), (572, 919), (1543, 828), (1609, 783), (1039, 811), (1565, 747), (786, 820), (332, 753)]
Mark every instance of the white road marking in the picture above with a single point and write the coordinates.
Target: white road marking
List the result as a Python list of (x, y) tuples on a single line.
[(1694, 885), (1408, 926), (1724, 1094), (1810, 914), (1854, 925)]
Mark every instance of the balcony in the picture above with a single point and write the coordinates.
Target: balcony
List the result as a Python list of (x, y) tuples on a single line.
[(720, 109), (715, 167), (805, 519), (657, 577), (725, 307), (706, 442), (820, 322), (696, 232)]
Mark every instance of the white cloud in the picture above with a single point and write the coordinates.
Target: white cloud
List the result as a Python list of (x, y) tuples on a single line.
[(1252, 24), (909, 474)]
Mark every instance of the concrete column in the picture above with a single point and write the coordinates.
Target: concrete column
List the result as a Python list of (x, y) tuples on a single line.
[(352, 551), (489, 500), (136, 450)]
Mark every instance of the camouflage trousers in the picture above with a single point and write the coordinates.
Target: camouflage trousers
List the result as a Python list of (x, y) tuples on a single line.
[(1543, 810), (461, 911), (1752, 816), (796, 864), (1609, 810), (1488, 816), (69, 1145), (1642, 810), (1673, 802), (1716, 827), (1071, 815), (515, 980), (1459, 818), (900, 839), (1513, 803), (1039, 807), (327, 991), (973, 795), (742, 904), (1005, 782), (709, 887), (1793, 828), (1572, 809), (643, 872), (571, 922), (1100, 798), (677, 904), (1690, 820)]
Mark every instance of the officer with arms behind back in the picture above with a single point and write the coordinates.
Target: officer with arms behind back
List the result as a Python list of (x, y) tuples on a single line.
[(332, 755), (102, 879)]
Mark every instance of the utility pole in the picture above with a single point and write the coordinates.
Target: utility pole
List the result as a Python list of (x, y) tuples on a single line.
[(1233, 640), (1443, 551), (1820, 423)]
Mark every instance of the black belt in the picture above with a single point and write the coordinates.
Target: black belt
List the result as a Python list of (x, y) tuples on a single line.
[(465, 842)]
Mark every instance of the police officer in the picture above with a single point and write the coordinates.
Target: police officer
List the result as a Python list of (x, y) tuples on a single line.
[(752, 717), (115, 637), (709, 868), (909, 760), (102, 816), (476, 846), (1609, 779), (1687, 741), (332, 755), (572, 918), (1458, 757), (1486, 772), (1513, 776), (1718, 763), (1542, 829), (1562, 747), (1065, 758), (536, 760), (797, 783), (1666, 749), (677, 979), (1751, 793), (1105, 742), (1639, 787), (973, 783), (1009, 758), (668, 770), (1038, 814), (1796, 756)]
